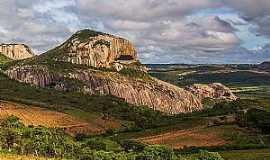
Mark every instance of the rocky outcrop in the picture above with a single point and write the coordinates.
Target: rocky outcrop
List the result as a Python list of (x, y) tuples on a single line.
[(16, 51), (214, 90), (97, 50), (153, 93)]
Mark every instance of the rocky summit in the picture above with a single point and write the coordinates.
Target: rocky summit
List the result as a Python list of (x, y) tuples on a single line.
[(16, 51), (97, 49), (84, 63), (213, 90)]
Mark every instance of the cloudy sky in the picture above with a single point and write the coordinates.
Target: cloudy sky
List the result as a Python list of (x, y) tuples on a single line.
[(163, 31)]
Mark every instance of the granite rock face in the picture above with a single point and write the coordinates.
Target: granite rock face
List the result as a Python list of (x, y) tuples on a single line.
[(214, 90), (98, 50), (16, 51), (154, 93)]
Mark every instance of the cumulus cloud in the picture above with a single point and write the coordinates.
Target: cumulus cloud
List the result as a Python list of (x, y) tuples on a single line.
[(143, 10), (256, 11), (162, 30)]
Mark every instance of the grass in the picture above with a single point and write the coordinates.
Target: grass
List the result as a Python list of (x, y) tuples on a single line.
[(257, 154), (4, 59), (4, 156)]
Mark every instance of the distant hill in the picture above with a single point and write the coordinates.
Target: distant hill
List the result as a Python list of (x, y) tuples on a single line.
[(264, 65)]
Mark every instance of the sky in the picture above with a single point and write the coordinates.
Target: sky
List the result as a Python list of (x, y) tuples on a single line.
[(163, 31)]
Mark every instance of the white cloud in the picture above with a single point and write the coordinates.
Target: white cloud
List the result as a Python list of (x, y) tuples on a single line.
[(164, 30)]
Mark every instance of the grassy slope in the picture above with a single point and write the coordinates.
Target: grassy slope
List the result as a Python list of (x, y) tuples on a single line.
[(4, 59)]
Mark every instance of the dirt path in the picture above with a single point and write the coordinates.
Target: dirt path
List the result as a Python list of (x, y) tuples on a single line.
[(184, 138), (31, 115)]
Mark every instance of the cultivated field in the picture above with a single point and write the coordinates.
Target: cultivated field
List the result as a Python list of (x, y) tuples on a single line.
[(185, 138)]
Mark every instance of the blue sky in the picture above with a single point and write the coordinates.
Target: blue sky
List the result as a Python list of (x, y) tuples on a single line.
[(163, 31)]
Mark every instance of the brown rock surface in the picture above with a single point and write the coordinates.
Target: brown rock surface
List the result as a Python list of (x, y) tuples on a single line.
[(16, 51), (214, 90)]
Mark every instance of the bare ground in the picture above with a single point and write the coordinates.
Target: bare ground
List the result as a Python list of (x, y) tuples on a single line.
[(31, 115), (184, 138)]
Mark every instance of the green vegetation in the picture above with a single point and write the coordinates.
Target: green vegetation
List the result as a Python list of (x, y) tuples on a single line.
[(4, 59), (135, 74), (54, 143), (249, 129), (142, 117), (258, 154), (241, 78)]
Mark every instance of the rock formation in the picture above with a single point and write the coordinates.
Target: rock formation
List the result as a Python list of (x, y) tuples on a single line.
[(153, 93), (90, 49), (16, 51), (98, 50), (214, 90)]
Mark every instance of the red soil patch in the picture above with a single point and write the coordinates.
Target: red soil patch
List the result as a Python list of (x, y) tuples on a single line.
[(184, 138), (31, 115)]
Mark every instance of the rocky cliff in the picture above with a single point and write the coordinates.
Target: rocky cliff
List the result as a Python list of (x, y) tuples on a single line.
[(16, 51), (135, 86), (153, 93), (97, 49), (214, 90)]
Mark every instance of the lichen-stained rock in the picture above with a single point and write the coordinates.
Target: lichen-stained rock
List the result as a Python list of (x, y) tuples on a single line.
[(213, 90), (154, 93), (98, 50), (16, 51)]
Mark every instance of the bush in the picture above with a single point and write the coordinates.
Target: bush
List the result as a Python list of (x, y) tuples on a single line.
[(205, 155), (132, 146), (156, 152), (102, 144)]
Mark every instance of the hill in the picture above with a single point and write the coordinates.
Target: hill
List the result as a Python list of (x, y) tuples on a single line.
[(111, 69)]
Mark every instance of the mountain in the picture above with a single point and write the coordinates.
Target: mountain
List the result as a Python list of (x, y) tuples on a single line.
[(97, 63), (16, 51)]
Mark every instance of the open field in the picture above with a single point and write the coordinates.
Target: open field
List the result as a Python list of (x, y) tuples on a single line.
[(31, 115), (185, 138)]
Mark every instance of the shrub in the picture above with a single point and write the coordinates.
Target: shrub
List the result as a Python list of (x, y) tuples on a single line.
[(132, 146), (205, 155), (156, 152), (102, 144)]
